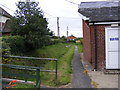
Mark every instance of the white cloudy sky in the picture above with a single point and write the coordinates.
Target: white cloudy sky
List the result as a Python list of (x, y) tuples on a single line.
[(66, 11)]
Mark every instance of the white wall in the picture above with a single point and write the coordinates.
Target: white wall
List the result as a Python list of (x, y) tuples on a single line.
[(3, 19)]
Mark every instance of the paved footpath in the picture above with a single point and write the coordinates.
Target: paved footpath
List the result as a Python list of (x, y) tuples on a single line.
[(80, 79)]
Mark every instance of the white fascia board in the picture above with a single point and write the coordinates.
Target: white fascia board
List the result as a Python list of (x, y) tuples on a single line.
[(100, 23), (83, 17)]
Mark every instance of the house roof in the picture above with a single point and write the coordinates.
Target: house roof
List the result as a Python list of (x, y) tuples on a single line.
[(71, 37), (4, 13), (101, 10), (99, 4)]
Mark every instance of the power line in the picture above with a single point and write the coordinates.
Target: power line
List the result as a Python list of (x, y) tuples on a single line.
[(58, 16), (65, 17), (71, 17), (49, 14), (72, 2)]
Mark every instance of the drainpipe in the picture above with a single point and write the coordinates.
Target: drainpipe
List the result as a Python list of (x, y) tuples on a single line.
[(95, 37)]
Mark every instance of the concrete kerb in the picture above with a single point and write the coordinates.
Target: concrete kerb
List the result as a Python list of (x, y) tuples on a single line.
[(86, 65)]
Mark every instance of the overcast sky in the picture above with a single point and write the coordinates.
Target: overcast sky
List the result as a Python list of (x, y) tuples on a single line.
[(66, 11)]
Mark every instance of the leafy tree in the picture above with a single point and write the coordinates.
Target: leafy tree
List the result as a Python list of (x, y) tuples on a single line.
[(51, 33), (30, 23), (63, 37)]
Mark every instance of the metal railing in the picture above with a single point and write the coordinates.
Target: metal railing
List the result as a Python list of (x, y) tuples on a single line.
[(20, 67), (32, 67), (36, 58)]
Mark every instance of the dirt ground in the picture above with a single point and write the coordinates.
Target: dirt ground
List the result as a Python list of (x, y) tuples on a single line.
[(99, 79)]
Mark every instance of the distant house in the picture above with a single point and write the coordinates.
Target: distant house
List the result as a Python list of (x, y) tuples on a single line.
[(71, 38), (101, 33), (4, 20)]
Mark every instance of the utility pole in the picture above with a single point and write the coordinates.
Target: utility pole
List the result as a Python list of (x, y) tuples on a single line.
[(67, 31), (58, 27)]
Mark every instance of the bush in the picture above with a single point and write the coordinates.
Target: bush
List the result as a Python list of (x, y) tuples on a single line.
[(55, 41), (16, 44), (81, 41), (5, 49)]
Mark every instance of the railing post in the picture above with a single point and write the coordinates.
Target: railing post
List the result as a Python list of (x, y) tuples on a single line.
[(25, 79), (38, 78), (56, 69)]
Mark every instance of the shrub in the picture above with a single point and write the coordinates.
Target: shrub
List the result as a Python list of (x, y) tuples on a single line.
[(5, 49), (16, 44), (81, 41)]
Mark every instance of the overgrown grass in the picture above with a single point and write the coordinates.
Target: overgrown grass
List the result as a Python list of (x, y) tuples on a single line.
[(20, 85), (80, 47), (52, 51), (64, 53), (65, 67)]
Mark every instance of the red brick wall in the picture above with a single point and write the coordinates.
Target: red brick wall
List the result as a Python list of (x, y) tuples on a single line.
[(86, 41), (89, 44), (100, 46), (92, 46)]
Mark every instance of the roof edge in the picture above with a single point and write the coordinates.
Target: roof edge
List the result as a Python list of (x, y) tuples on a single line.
[(103, 21), (5, 13)]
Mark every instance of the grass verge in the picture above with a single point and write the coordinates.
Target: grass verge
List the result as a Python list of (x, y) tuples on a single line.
[(64, 70), (65, 67), (62, 51), (80, 48)]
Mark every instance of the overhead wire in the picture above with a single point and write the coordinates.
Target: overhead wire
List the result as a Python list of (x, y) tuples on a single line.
[(65, 17), (72, 2), (48, 14), (51, 16)]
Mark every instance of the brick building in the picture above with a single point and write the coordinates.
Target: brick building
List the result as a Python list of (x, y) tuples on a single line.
[(98, 19)]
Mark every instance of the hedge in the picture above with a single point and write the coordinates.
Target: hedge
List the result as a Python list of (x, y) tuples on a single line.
[(16, 44)]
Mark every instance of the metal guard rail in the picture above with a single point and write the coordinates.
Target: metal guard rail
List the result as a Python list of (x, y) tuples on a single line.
[(36, 58), (37, 69)]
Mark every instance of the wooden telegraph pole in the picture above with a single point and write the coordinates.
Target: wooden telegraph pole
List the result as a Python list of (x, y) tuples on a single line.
[(58, 27), (67, 31)]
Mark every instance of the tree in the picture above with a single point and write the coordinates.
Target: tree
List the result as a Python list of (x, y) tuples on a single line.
[(30, 24), (51, 33)]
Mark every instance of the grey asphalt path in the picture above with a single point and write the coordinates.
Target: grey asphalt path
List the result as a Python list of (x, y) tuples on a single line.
[(80, 79)]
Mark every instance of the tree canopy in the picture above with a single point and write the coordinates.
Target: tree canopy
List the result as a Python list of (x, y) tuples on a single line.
[(30, 23)]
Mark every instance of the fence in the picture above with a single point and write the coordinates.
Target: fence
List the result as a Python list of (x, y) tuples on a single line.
[(34, 61), (26, 76)]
